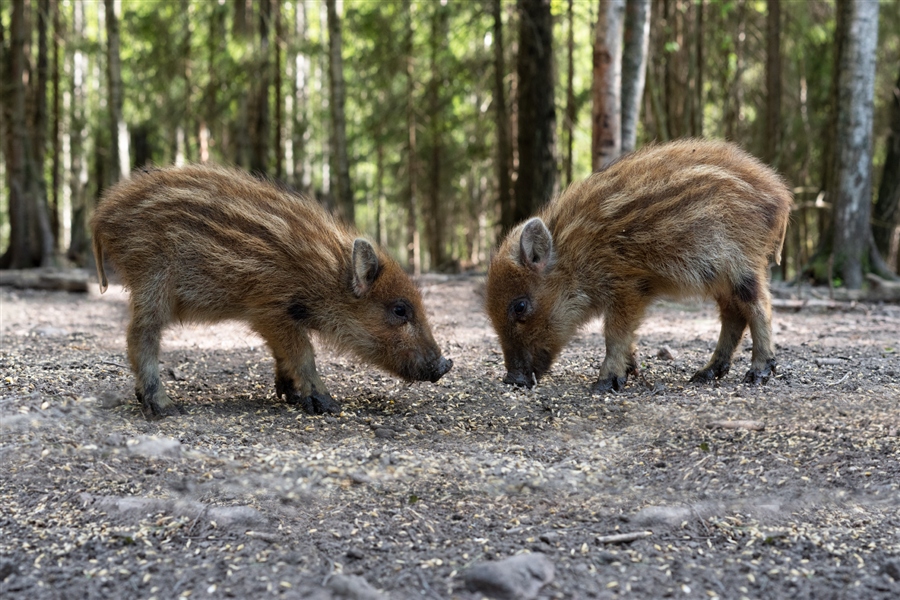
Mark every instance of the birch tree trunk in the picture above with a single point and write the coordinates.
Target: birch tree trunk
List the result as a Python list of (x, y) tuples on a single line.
[(606, 112), (634, 68), (119, 152), (344, 195), (78, 174), (853, 200)]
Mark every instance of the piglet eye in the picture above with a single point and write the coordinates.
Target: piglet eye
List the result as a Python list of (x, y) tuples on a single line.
[(399, 312), (520, 309)]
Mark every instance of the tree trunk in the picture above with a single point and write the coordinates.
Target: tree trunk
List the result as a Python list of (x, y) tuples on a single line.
[(701, 69), (278, 126), (853, 200), (412, 232), (259, 126), (30, 239), (78, 174), (735, 94), (504, 147), (215, 41), (184, 128), (435, 222), (887, 208), (606, 114), (634, 68), (536, 182), (55, 132), (119, 153), (772, 142), (344, 198), (300, 139), (569, 119)]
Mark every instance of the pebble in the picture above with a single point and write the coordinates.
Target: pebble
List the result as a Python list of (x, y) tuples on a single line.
[(353, 587), (892, 569), (384, 433), (156, 447), (516, 578), (666, 353)]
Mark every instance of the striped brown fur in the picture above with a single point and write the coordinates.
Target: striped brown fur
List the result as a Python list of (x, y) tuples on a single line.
[(201, 243), (687, 218)]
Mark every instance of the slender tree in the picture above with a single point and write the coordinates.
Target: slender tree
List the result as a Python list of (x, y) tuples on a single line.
[(570, 111), (773, 82), (853, 199), (886, 215), (278, 126), (259, 120), (606, 113), (119, 152), (56, 127), (634, 68), (31, 239), (344, 203), (536, 182), (504, 145), (436, 118), (414, 263), (78, 174)]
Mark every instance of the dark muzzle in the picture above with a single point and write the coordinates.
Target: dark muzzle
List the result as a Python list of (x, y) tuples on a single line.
[(520, 379), (441, 368)]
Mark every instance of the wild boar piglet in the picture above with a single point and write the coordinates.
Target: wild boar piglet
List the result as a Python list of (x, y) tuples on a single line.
[(687, 218), (207, 244)]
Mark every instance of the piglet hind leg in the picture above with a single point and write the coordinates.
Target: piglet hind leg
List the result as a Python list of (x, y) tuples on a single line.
[(733, 325), (762, 362), (296, 378), (144, 333)]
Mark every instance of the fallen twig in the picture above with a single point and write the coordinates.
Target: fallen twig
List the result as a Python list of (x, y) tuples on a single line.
[(751, 425), (623, 538)]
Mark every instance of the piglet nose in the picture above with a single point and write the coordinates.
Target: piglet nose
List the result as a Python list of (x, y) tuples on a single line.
[(443, 366), (518, 378)]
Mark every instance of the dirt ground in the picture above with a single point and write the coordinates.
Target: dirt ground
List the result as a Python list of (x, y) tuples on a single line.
[(412, 485)]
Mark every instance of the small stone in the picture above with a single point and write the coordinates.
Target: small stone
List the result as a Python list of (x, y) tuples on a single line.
[(516, 578), (157, 447), (177, 374), (666, 353), (7, 568), (892, 569), (549, 537), (353, 587), (355, 554), (384, 433)]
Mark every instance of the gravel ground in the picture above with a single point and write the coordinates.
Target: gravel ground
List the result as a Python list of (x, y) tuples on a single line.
[(789, 490)]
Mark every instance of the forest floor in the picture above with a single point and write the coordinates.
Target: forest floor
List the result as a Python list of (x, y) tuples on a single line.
[(413, 486)]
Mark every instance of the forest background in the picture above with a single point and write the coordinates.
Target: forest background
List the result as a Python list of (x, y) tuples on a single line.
[(435, 126)]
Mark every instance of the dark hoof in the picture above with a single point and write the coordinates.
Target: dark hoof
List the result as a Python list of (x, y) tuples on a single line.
[(610, 384), (172, 410), (316, 403), (284, 388), (757, 376), (154, 408), (710, 374), (704, 376)]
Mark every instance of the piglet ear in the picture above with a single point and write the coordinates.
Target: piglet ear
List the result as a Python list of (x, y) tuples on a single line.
[(535, 245), (365, 266)]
